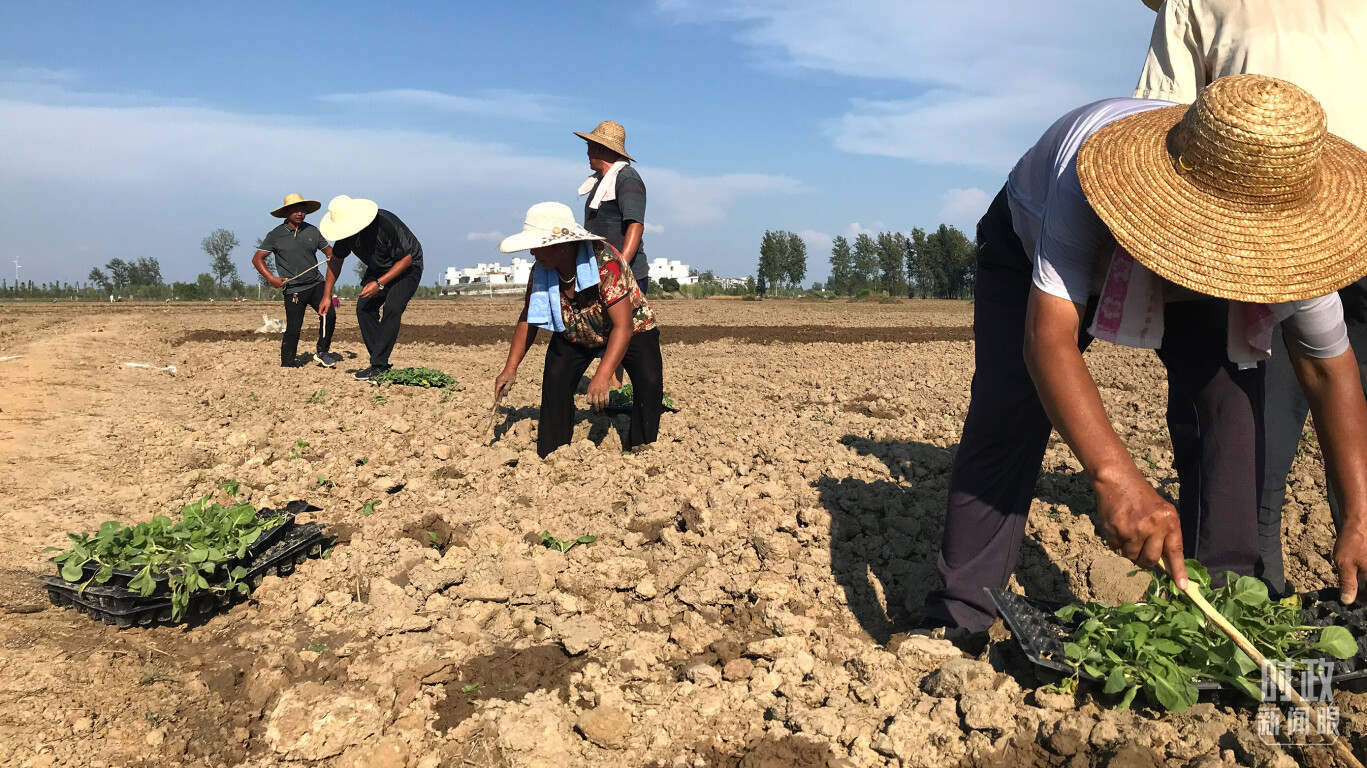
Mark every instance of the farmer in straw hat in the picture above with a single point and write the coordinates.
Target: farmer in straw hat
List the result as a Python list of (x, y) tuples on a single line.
[(1209, 224), (615, 208), (393, 271), (1312, 43), (294, 244), (583, 291)]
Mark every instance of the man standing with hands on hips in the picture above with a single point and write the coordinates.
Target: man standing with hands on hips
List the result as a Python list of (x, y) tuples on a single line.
[(294, 244), (393, 260)]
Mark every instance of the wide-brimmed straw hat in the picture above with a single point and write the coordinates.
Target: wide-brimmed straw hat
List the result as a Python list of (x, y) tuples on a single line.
[(546, 224), (309, 205), (1244, 195), (346, 216), (611, 135)]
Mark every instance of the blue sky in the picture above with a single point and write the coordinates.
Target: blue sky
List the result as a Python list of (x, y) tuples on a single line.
[(134, 129)]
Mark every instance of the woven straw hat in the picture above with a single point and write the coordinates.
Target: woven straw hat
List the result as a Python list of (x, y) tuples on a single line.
[(292, 199), (546, 224), (346, 217), (1244, 195), (611, 135)]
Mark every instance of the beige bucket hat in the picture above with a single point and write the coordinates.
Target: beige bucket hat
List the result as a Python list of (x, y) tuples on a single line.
[(546, 224), (1243, 195), (347, 216), (611, 135), (292, 199)]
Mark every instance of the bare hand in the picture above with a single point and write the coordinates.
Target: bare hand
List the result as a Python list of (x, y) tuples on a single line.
[(599, 387), (276, 281), (1350, 560), (504, 383), (325, 306), (371, 289), (1142, 526)]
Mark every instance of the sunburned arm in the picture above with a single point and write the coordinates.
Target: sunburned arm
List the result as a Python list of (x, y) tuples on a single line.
[(1137, 520), (334, 271), (398, 269), (1334, 390), (259, 261), (618, 339), (524, 334), (632, 240)]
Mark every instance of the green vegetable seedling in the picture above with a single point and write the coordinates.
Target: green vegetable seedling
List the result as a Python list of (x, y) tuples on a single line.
[(562, 546), (368, 508), (297, 452), (317, 397), (1163, 644), (471, 688), (186, 552), (324, 482)]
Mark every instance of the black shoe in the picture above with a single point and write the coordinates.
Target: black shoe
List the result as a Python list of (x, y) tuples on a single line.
[(366, 374), (326, 359)]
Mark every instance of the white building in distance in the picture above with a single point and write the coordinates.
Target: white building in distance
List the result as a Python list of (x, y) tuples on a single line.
[(490, 275), (662, 268)]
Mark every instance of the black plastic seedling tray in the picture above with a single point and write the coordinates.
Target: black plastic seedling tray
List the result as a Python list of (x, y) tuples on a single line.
[(121, 577), (117, 606), (1041, 634)]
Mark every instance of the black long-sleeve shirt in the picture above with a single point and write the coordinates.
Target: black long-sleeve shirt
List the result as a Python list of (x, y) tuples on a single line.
[(381, 244)]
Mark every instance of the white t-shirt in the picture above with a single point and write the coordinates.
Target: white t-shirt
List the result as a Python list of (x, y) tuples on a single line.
[(1071, 247), (1320, 45)]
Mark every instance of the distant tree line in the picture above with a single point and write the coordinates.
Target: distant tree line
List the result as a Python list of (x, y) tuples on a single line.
[(782, 261), (141, 279), (939, 265)]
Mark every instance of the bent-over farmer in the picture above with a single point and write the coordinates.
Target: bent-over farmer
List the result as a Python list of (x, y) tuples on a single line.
[(1210, 224), (393, 271), (582, 290)]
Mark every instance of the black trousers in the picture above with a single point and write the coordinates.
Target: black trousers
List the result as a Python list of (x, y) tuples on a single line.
[(1006, 432), (565, 366), (296, 305), (1284, 412), (381, 332)]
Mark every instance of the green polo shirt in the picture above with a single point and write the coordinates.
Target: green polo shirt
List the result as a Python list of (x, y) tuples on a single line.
[(295, 252)]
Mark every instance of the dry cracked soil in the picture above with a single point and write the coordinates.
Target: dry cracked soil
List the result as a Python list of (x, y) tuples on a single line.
[(745, 602)]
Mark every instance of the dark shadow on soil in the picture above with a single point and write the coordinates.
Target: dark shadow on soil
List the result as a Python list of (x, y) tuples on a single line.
[(506, 674), (885, 536), (466, 335), (794, 751)]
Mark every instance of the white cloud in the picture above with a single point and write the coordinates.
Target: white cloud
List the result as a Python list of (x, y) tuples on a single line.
[(511, 105), (492, 236), (653, 228), (983, 76), (963, 207), (181, 171), (855, 229), (693, 200), (814, 238)]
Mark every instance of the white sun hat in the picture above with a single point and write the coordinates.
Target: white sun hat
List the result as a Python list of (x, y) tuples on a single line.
[(346, 217), (546, 224)]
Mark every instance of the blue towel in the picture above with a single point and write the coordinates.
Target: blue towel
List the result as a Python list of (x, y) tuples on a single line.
[(543, 308)]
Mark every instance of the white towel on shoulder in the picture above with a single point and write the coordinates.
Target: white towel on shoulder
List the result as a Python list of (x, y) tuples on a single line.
[(607, 190)]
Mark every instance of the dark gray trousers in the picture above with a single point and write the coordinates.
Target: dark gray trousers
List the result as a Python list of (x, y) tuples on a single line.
[(1211, 414), (1284, 413)]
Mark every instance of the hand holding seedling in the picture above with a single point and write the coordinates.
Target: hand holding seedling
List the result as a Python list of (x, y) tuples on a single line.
[(1140, 524)]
